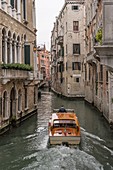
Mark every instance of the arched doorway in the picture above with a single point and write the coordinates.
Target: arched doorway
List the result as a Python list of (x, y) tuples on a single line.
[(5, 105), (13, 104), (19, 100)]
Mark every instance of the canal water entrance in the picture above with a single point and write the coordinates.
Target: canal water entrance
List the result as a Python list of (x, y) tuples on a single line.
[(25, 148)]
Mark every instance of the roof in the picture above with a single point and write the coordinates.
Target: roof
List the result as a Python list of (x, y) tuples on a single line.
[(63, 116)]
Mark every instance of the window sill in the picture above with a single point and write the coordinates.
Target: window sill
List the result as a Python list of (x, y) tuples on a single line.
[(26, 109), (5, 118), (76, 31), (25, 22), (76, 55), (19, 111)]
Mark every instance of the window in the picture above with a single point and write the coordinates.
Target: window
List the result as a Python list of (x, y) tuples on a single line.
[(13, 3), (77, 80), (24, 9), (42, 63), (76, 66), (76, 48), (101, 72), (27, 54), (74, 7), (75, 25), (107, 76)]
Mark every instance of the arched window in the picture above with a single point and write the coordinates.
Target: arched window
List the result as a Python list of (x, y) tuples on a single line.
[(24, 9), (8, 47), (13, 48), (18, 49), (26, 51), (3, 45)]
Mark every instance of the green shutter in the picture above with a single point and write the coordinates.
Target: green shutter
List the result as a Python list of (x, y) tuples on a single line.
[(12, 3), (24, 9), (27, 54)]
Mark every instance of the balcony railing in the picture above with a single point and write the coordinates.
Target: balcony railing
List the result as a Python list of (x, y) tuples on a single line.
[(9, 74), (60, 40), (54, 64), (40, 76), (60, 59), (90, 57), (53, 48)]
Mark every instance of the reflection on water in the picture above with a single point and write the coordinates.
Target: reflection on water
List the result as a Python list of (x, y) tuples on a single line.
[(25, 148)]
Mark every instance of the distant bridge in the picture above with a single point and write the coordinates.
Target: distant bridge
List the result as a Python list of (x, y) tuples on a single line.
[(43, 83)]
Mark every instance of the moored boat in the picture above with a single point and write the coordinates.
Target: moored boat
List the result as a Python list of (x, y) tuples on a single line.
[(64, 128)]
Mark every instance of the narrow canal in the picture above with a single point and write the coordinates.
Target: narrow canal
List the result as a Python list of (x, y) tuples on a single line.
[(25, 148)]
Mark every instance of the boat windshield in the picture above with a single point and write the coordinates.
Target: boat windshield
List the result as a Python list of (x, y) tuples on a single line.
[(64, 123)]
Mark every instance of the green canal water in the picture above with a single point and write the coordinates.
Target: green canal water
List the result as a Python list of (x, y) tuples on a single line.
[(25, 147)]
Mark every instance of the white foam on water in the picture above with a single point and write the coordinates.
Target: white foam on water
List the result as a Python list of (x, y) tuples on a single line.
[(30, 136), (105, 147), (93, 136)]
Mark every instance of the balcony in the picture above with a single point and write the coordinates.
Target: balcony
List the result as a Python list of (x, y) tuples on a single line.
[(60, 59), (53, 48), (60, 40), (105, 53), (40, 76), (9, 74), (43, 66), (90, 57), (54, 64)]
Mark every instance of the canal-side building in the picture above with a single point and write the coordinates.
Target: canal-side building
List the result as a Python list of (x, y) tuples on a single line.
[(98, 76), (93, 69), (43, 63), (104, 52), (67, 50), (18, 68)]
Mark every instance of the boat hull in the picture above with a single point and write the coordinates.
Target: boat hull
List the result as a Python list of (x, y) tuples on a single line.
[(64, 128), (70, 140)]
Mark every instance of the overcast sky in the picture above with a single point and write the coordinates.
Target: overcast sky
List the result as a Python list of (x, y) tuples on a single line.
[(46, 12)]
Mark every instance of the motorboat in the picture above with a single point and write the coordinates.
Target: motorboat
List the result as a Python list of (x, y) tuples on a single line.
[(64, 128)]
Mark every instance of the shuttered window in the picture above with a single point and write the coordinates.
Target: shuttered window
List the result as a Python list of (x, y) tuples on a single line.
[(76, 66), (27, 54), (13, 3), (76, 48), (75, 25), (24, 9), (74, 7)]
